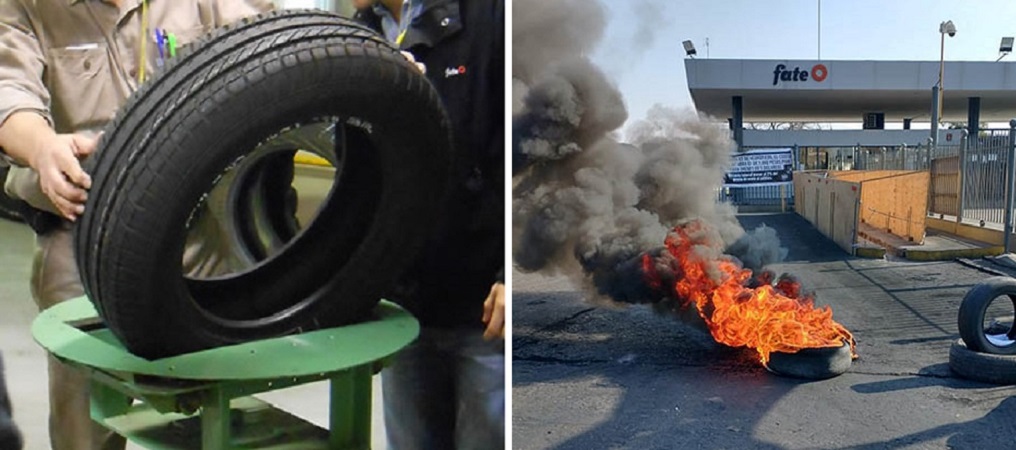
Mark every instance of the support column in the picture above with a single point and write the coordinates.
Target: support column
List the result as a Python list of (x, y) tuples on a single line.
[(738, 121), (215, 423), (934, 116), (973, 116), (349, 414)]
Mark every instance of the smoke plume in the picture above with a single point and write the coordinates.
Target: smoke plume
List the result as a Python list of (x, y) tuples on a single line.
[(586, 204)]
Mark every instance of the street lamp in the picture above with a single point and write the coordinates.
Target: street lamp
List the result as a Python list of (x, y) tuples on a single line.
[(1004, 48), (689, 49), (944, 28)]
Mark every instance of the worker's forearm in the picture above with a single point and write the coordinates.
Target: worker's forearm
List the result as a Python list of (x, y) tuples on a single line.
[(22, 134)]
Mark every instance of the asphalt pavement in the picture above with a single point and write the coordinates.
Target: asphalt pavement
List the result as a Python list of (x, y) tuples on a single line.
[(587, 374)]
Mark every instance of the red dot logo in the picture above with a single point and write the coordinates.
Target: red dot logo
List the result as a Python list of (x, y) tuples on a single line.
[(462, 70), (819, 72)]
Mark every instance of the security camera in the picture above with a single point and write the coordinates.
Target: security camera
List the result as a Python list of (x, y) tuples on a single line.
[(947, 27)]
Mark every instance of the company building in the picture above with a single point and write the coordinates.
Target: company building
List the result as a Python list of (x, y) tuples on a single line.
[(886, 97)]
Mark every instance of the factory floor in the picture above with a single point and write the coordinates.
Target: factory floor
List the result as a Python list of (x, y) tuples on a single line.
[(25, 361)]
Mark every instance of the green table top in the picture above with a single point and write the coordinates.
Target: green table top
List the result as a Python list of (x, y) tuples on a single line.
[(316, 352)]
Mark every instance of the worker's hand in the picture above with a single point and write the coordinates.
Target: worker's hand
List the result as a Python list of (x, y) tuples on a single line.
[(493, 313), (58, 162), (419, 65)]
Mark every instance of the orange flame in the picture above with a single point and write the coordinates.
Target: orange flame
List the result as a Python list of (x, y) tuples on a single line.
[(767, 318)]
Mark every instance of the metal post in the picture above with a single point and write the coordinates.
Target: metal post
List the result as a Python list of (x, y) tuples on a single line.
[(215, 424), (349, 415), (934, 115), (1010, 184), (783, 198), (941, 74), (961, 191), (737, 104)]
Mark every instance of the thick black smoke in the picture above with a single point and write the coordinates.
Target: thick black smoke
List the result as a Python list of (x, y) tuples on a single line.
[(586, 204)]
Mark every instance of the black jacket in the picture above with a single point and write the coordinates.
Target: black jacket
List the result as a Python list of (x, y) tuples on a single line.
[(462, 45)]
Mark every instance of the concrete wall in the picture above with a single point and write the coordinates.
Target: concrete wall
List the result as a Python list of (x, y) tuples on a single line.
[(967, 231), (830, 205)]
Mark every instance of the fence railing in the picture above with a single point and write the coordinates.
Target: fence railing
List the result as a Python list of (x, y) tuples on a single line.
[(770, 197), (968, 181), (984, 174)]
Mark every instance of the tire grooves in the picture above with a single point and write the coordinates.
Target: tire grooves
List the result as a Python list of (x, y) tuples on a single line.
[(142, 100), (297, 35)]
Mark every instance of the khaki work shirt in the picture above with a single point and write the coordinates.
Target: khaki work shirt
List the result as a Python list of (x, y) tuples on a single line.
[(76, 62)]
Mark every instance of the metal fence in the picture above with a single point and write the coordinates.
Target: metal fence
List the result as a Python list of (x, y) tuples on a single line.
[(968, 180), (768, 198), (893, 158), (983, 165)]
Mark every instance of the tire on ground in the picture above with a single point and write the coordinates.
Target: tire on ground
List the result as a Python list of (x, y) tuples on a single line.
[(972, 311), (221, 98), (812, 363), (983, 367)]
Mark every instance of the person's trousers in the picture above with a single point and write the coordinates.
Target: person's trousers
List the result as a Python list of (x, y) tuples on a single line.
[(446, 391), (10, 437), (55, 279)]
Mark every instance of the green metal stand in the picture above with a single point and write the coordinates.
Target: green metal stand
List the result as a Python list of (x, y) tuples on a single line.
[(203, 399)]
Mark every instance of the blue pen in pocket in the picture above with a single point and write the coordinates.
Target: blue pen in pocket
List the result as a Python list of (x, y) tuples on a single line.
[(160, 40)]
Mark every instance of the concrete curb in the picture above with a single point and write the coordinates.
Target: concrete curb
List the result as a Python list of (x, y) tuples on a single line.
[(946, 255), (869, 252), (915, 253)]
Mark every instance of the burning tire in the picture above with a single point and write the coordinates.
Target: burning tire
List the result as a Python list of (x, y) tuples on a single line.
[(209, 138), (980, 366), (811, 363), (986, 325)]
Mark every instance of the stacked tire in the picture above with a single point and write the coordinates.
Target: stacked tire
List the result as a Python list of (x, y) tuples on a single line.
[(986, 350), (202, 116)]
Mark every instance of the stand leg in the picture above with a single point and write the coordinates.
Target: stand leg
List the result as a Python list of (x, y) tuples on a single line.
[(349, 423), (215, 420), (106, 402)]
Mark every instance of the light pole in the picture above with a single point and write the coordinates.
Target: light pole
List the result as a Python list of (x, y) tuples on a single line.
[(944, 28), (1004, 48)]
